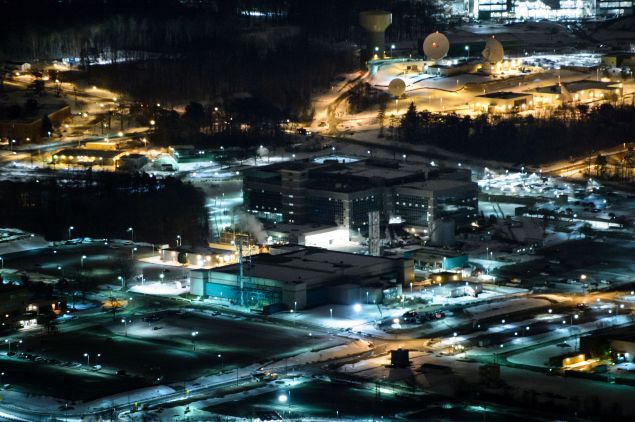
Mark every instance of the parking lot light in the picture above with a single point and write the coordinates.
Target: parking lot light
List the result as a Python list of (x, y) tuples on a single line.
[(194, 334), (220, 356)]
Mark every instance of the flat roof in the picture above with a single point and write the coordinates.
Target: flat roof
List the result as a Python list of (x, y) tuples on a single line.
[(302, 264), (83, 152), (434, 185), (505, 95)]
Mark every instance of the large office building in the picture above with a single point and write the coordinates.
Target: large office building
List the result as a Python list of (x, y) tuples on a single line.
[(332, 193), (548, 9)]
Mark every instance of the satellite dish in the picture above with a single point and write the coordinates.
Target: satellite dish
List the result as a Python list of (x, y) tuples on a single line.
[(493, 52), (436, 46), (397, 87)]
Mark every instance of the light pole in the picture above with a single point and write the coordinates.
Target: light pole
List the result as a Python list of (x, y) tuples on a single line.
[(1, 263), (194, 334), (82, 261), (70, 229), (331, 311), (367, 298), (87, 356), (131, 230), (1, 375), (220, 356), (467, 48), (161, 276), (123, 282), (125, 325), (178, 240), (410, 288), (392, 48), (132, 251)]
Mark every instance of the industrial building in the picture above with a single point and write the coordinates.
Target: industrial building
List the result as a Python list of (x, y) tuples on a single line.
[(332, 193), (585, 91), (300, 277), (502, 102), (29, 127), (87, 157)]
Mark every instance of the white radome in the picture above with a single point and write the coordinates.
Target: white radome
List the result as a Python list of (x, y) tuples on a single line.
[(397, 87), (436, 46)]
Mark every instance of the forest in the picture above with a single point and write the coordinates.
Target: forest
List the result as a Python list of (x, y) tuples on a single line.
[(566, 133), (105, 205), (172, 51)]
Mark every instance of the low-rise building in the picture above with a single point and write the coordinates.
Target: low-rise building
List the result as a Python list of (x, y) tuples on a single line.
[(301, 277), (579, 92), (503, 102), (87, 157)]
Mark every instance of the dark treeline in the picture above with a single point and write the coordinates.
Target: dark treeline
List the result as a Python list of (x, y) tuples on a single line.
[(168, 51), (523, 139), (105, 205)]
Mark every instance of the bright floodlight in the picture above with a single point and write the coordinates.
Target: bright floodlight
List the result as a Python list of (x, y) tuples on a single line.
[(282, 398), (357, 307)]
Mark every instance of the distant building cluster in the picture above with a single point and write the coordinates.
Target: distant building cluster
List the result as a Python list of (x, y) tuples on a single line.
[(547, 9), (332, 193)]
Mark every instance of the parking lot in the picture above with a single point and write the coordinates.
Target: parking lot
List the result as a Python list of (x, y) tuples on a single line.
[(166, 347)]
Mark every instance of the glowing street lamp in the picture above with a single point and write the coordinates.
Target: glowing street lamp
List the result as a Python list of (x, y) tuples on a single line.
[(125, 322), (220, 356), (178, 240), (82, 261), (467, 48), (131, 230), (194, 334), (357, 307), (70, 230)]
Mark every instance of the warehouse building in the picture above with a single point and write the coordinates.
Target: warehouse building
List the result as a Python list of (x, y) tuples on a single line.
[(301, 277)]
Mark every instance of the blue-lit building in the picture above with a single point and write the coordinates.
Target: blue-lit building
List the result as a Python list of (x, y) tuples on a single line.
[(301, 277)]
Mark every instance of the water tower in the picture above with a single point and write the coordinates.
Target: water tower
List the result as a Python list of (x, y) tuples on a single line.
[(375, 23)]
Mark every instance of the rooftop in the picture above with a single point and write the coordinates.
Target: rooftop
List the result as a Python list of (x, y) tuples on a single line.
[(302, 264), (83, 152), (504, 95), (439, 185)]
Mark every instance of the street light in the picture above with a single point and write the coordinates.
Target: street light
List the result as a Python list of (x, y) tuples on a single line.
[(87, 356), (392, 47), (178, 240), (82, 261), (467, 48), (194, 334), (132, 251), (125, 325), (220, 356), (331, 311), (70, 229), (357, 307), (1, 263), (131, 230)]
